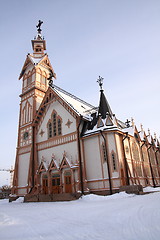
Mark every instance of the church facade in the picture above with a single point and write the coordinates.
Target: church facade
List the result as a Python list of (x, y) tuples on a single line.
[(67, 146)]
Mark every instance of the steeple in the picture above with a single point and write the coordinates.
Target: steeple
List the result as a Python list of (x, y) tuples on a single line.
[(38, 44), (104, 107)]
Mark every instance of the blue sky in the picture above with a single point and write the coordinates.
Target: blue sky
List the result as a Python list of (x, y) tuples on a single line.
[(118, 39)]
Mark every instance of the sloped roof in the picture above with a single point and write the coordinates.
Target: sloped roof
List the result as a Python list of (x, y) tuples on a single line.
[(78, 105), (104, 107)]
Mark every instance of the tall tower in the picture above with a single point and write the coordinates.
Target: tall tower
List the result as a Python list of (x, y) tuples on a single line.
[(34, 74)]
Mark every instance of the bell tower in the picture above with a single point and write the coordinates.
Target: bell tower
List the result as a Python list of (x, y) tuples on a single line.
[(35, 72)]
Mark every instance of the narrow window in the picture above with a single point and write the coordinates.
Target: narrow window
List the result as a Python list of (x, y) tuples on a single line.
[(114, 162), (54, 125), (50, 130), (29, 80), (59, 127), (104, 152)]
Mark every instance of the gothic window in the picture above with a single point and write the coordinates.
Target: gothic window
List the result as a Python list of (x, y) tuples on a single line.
[(55, 126), (114, 161), (26, 113)]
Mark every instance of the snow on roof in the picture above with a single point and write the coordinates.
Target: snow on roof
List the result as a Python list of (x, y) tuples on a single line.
[(141, 134), (35, 60), (130, 130), (77, 104), (46, 164), (56, 163)]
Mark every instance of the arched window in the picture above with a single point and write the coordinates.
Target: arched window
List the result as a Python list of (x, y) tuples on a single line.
[(54, 125)]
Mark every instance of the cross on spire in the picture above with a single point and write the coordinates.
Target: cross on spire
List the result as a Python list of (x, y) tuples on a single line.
[(127, 123), (100, 81), (39, 30)]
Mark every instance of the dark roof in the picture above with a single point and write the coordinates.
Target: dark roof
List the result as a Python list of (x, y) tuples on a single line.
[(104, 107)]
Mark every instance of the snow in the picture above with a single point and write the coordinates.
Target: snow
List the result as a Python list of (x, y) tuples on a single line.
[(75, 103), (117, 217), (151, 189)]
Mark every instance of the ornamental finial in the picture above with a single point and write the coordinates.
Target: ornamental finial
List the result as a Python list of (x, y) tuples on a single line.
[(100, 81), (39, 30)]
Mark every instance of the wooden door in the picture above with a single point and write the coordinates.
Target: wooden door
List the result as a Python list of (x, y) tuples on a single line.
[(56, 184), (45, 185), (68, 185)]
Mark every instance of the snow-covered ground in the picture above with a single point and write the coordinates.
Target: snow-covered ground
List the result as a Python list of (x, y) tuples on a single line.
[(117, 217)]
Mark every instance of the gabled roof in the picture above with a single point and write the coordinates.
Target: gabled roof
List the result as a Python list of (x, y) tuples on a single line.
[(44, 61), (53, 165), (42, 167), (77, 106)]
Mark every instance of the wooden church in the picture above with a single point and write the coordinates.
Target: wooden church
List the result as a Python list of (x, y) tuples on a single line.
[(67, 147)]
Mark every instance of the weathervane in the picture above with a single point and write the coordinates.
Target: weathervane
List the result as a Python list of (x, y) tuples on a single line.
[(100, 81), (39, 30)]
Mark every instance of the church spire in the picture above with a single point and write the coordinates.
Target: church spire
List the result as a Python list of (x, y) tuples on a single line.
[(104, 107), (38, 44)]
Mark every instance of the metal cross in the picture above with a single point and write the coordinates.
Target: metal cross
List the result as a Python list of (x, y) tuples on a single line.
[(39, 27), (100, 81), (127, 123)]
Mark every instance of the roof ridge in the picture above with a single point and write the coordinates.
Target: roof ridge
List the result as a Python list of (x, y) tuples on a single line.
[(73, 96)]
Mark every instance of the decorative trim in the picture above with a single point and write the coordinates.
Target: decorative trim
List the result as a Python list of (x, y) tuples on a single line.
[(68, 123), (59, 140)]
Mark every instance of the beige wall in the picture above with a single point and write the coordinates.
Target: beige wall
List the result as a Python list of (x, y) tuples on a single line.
[(23, 168), (92, 158)]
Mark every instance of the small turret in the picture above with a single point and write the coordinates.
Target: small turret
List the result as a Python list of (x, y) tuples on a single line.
[(104, 107)]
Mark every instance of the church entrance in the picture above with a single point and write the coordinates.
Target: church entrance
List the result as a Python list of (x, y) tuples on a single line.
[(67, 182), (45, 184), (56, 183)]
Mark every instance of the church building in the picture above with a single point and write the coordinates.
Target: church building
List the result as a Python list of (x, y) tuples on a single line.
[(67, 147)]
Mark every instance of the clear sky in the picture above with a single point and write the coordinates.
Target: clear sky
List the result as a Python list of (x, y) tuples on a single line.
[(117, 39)]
